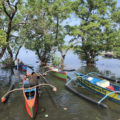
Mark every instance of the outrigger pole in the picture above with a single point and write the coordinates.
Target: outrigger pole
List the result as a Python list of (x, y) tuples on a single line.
[(99, 102), (18, 89), (83, 96)]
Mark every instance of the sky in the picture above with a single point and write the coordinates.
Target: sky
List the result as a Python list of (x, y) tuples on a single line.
[(118, 2)]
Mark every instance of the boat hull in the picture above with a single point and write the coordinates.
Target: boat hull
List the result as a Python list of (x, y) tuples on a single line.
[(22, 68), (99, 90), (31, 100), (32, 110), (59, 75)]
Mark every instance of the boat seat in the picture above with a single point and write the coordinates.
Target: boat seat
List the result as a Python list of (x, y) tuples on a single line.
[(30, 90), (103, 83)]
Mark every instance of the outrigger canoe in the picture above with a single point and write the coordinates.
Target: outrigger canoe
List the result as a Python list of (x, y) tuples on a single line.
[(102, 87), (30, 93), (55, 72), (31, 98)]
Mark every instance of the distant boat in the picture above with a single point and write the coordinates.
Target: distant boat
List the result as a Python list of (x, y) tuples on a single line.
[(100, 86), (58, 73), (22, 67)]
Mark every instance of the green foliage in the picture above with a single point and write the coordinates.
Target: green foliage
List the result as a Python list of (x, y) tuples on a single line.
[(38, 32), (10, 22), (96, 31), (2, 38), (44, 31), (39, 25), (56, 60), (7, 60)]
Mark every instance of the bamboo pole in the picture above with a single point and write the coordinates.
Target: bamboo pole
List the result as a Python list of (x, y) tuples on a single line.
[(17, 89)]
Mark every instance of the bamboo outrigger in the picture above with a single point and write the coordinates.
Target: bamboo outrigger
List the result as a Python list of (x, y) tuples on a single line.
[(31, 96), (67, 85)]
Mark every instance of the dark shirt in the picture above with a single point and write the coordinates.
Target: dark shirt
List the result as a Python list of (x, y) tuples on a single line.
[(33, 80)]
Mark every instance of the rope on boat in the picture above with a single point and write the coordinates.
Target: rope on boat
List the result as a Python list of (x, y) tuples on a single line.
[(17, 89)]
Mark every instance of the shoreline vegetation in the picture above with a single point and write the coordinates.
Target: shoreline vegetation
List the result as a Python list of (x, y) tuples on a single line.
[(56, 60)]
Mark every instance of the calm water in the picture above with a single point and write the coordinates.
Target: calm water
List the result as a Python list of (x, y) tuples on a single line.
[(61, 105)]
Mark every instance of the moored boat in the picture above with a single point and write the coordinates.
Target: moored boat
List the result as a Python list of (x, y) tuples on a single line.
[(31, 91), (102, 87), (58, 73), (31, 98), (22, 68)]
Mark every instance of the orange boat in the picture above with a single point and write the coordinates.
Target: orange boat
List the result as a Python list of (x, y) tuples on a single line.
[(31, 99)]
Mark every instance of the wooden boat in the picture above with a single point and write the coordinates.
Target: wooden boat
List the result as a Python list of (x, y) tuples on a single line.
[(55, 72), (31, 99), (22, 67), (102, 87), (30, 93)]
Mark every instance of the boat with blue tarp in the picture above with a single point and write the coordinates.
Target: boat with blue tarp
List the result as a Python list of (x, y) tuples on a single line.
[(100, 86)]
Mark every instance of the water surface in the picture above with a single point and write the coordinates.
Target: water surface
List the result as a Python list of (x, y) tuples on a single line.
[(62, 105)]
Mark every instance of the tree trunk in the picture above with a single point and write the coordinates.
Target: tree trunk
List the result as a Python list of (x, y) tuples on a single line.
[(57, 31), (10, 19), (11, 54), (2, 52), (17, 52), (42, 59), (91, 60), (62, 62)]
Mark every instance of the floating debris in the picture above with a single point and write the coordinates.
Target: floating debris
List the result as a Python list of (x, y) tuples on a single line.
[(46, 115), (65, 108)]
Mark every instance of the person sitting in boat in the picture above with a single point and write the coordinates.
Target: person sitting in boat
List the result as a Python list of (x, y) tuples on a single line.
[(32, 78)]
